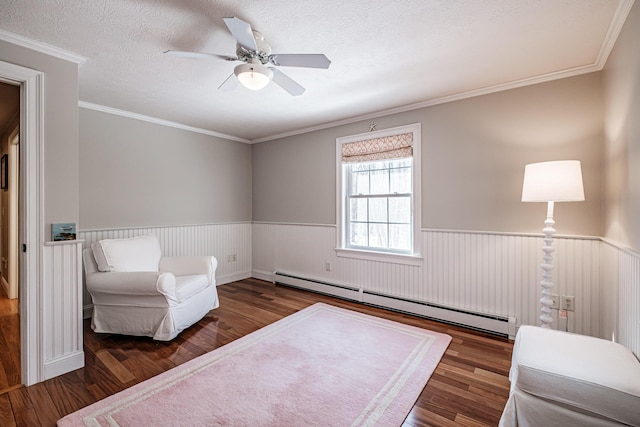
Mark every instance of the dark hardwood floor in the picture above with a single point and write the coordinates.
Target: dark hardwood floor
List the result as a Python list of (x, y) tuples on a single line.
[(9, 343), (469, 388)]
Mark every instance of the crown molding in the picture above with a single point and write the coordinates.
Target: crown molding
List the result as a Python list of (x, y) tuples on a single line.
[(442, 100), (617, 22), (41, 47), (142, 117)]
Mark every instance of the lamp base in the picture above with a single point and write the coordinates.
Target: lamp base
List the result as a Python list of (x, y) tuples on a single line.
[(546, 301)]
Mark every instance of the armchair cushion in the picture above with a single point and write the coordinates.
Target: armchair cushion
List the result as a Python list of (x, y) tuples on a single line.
[(188, 286), (140, 253), (131, 283)]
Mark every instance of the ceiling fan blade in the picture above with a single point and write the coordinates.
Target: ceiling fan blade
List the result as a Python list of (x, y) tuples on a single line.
[(309, 60), (242, 33), (229, 84), (198, 55), (286, 82)]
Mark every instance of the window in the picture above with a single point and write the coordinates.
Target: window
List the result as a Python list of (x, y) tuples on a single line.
[(378, 194), (379, 199)]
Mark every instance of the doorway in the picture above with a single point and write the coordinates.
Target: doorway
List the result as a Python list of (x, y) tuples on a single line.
[(10, 355)]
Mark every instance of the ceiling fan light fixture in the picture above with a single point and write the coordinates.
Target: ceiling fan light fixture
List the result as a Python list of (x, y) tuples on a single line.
[(253, 76)]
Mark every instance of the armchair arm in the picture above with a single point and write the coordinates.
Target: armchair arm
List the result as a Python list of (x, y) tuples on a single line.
[(188, 265), (133, 283)]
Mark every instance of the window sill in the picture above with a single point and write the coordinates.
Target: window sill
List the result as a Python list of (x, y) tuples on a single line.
[(407, 259)]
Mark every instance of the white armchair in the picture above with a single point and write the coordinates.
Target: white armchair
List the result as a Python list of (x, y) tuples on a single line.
[(136, 291)]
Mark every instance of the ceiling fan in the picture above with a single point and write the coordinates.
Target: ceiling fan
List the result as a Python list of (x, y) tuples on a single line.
[(256, 55)]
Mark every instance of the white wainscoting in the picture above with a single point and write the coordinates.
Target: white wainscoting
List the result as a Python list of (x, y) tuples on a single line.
[(62, 308), (620, 295), (219, 240), (487, 273)]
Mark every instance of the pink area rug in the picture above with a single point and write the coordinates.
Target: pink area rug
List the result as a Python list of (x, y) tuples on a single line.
[(322, 366)]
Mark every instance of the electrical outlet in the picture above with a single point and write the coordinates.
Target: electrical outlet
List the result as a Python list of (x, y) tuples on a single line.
[(327, 266), (231, 258), (556, 302), (568, 303)]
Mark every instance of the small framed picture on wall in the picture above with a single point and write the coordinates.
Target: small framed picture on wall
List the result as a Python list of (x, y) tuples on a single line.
[(4, 172)]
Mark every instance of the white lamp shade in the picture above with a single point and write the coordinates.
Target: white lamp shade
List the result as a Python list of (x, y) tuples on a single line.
[(557, 181), (253, 76)]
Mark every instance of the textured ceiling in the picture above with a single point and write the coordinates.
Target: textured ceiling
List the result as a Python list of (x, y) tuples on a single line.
[(386, 56)]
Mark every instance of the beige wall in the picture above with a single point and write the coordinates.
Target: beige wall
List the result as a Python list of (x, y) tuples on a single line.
[(294, 179), (473, 157), (61, 176), (622, 125), (135, 173)]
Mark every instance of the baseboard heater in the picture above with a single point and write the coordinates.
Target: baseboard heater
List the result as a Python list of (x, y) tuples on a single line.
[(496, 325)]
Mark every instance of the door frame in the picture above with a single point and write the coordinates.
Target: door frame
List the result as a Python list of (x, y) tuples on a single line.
[(31, 219)]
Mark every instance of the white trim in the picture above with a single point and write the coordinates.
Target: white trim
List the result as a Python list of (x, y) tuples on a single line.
[(293, 223), (626, 249), (267, 276), (41, 47), (450, 230), (64, 242), (557, 75), (32, 230), (142, 117), (617, 22), (341, 248), (148, 227), (229, 278), (87, 311), (619, 18), (508, 233), (388, 257), (64, 364)]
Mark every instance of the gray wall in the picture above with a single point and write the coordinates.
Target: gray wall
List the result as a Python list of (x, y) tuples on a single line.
[(136, 173), (61, 176), (622, 124), (294, 179), (473, 157)]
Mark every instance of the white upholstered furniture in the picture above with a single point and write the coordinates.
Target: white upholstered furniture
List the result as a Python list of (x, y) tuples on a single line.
[(563, 379), (136, 291)]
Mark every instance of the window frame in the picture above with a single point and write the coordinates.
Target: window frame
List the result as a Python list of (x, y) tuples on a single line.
[(412, 257), (348, 222)]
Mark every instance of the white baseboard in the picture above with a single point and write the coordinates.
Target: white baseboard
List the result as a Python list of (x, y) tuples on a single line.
[(223, 280), (87, 311), (62, 365), (267, 276)]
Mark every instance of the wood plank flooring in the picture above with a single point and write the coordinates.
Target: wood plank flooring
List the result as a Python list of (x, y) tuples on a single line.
[(469, 387), (9, 342)]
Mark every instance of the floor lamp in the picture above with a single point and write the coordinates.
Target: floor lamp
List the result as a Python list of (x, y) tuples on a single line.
[(558, 181)]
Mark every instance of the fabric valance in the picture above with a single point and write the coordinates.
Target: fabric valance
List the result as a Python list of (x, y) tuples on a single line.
[(385, 148)]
